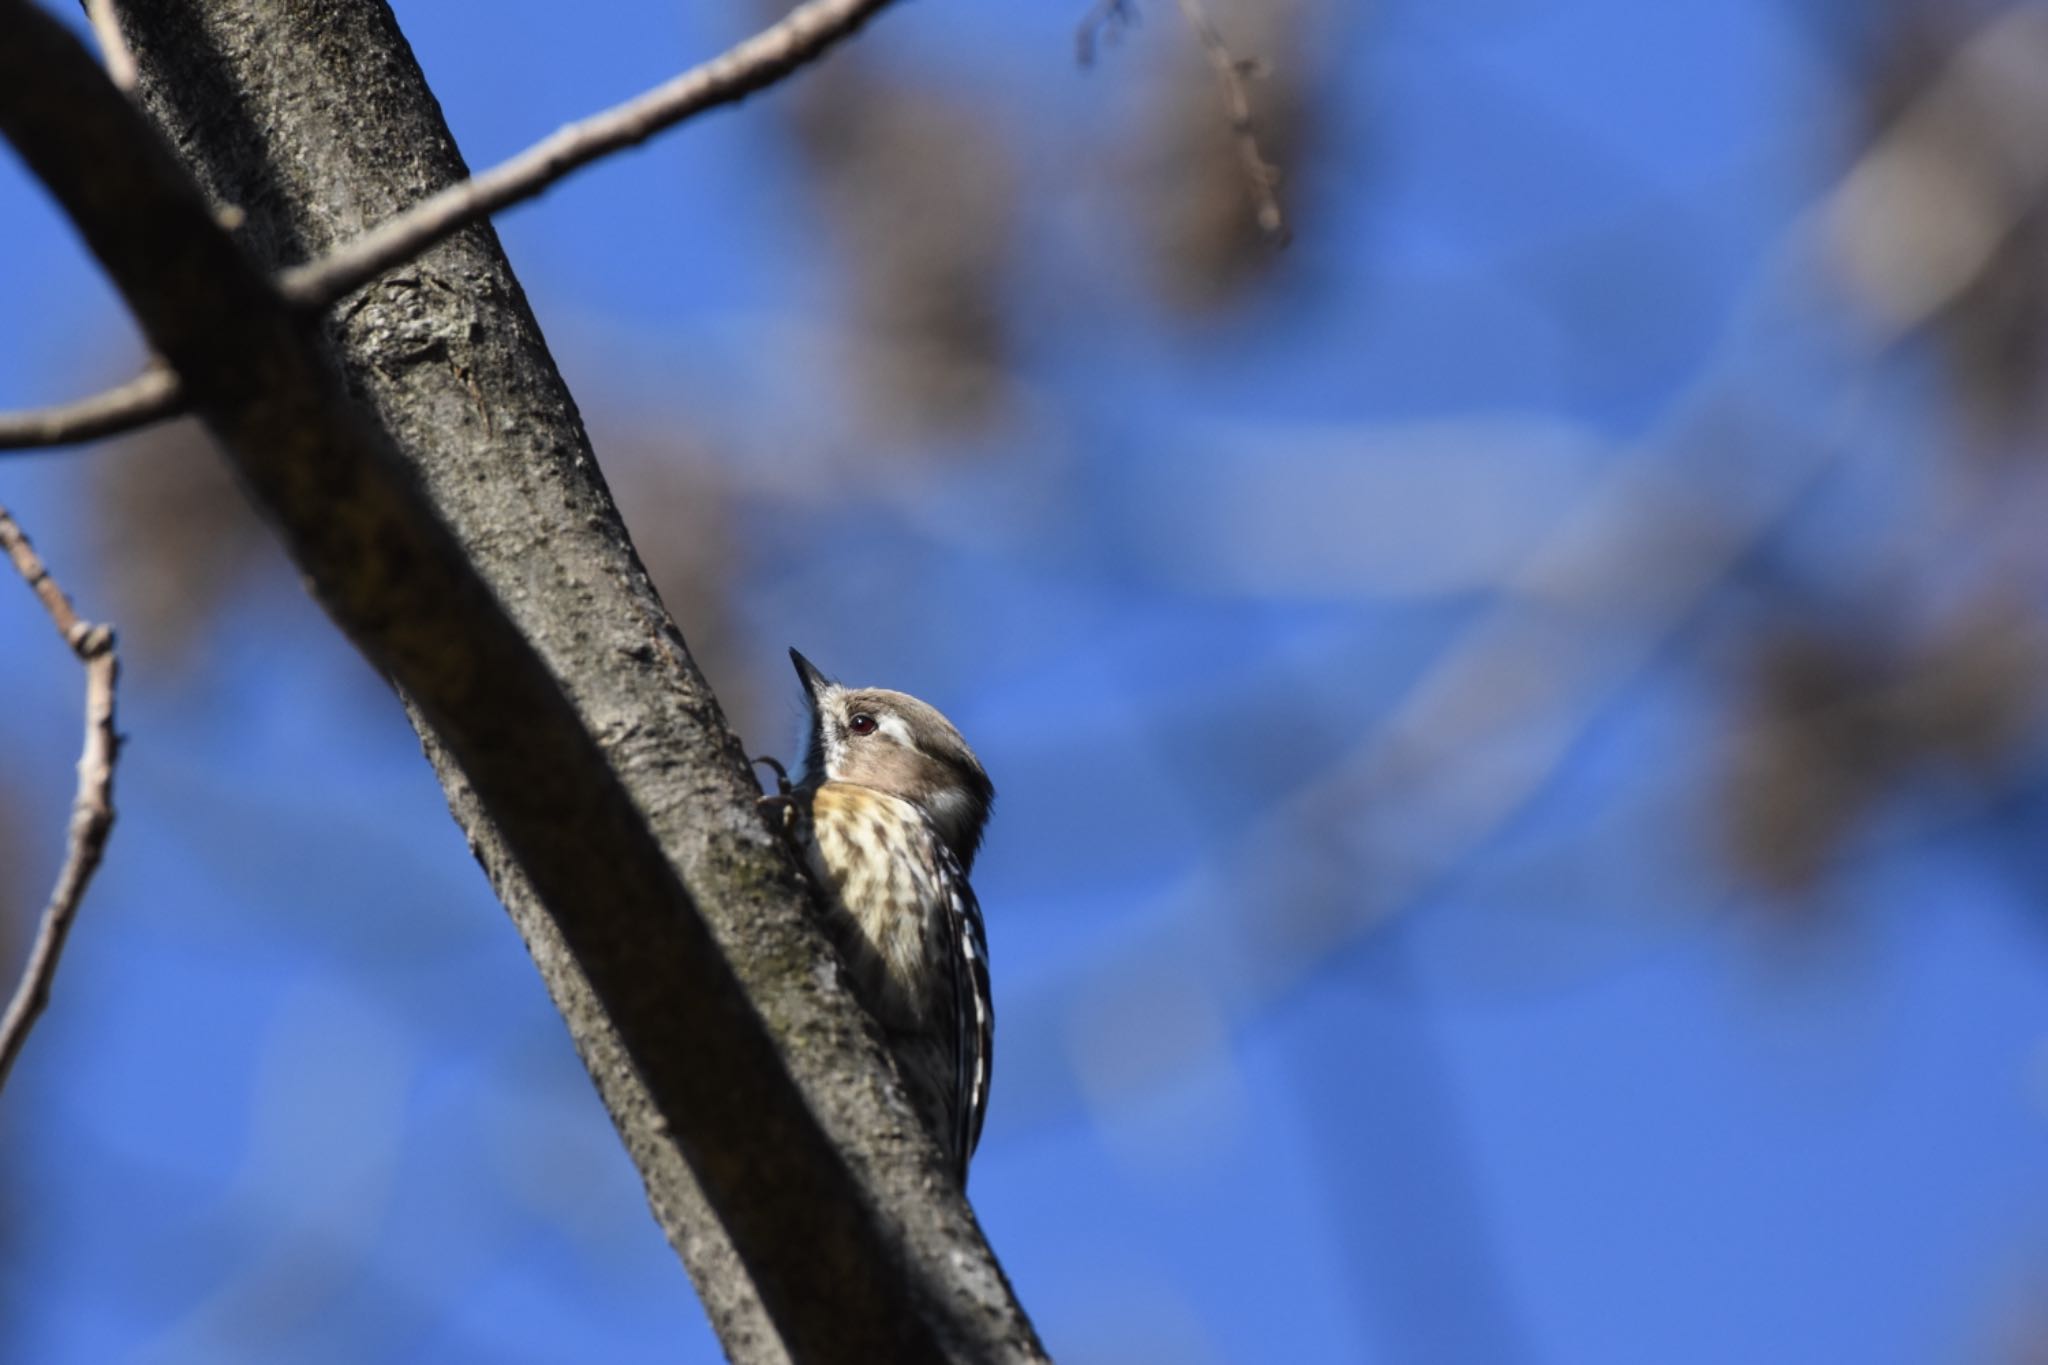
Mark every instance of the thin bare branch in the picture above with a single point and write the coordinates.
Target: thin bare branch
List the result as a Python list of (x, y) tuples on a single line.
[(151, 396), (1262, 174), (106, 31), (92, 810), (801, 37)]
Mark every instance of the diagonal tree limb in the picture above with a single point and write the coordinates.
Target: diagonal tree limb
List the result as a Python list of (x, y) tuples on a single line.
[(802, 36), (150, 397), (263, 97), (92, 809), (849, 1239)]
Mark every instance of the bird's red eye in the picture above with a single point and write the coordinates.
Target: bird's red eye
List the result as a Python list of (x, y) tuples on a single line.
[(862, 723)]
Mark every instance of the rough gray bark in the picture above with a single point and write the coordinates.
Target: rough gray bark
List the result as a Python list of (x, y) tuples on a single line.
[(554, 693)]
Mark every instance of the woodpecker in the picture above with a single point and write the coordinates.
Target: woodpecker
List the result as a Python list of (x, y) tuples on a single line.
[(888, 815)]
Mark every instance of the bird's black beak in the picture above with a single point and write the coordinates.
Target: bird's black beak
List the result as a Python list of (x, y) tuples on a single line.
[(808, 673)]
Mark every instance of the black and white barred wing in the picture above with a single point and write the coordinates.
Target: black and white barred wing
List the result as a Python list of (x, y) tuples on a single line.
[(974, 1009)]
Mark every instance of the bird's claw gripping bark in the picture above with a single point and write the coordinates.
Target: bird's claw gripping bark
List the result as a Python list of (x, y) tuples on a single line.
[(780, 807)]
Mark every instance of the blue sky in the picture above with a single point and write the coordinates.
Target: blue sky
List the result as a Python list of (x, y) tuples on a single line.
[(1498, 1063)]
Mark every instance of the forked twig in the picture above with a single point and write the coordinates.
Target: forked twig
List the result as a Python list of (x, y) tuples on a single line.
[(92, 810)]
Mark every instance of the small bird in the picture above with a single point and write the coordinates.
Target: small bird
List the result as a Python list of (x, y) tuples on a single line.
[(888, 815)]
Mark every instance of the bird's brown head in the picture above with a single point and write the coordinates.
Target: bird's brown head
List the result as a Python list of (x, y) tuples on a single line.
[(894, 743)]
